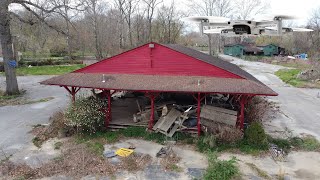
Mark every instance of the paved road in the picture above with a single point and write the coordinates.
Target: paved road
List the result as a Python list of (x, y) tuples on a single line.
[(17, 121), (300, 108)]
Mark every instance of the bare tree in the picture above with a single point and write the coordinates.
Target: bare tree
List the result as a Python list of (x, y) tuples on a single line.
[(168, 26), (92, 8), (212, 8), (314, 23), (245, 9), (6, 36), (150, 10)]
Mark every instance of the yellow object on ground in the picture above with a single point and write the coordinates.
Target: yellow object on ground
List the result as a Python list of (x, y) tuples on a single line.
[(123, 152)]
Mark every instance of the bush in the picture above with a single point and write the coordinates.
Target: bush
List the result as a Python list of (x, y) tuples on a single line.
[(86, 114), (220, 170), (46, 62), (256, 136)]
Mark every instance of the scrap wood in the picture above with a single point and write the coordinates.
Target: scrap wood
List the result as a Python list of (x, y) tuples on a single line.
[(220, 115), (167, 121)]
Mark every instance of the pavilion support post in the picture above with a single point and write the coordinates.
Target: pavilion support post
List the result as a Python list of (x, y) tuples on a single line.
[(243, 101), (198, 113), (151, 122), (107, 95), (73, 92), (109, 105)]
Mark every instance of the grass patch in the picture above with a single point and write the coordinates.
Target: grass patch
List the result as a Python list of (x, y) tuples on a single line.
[(48, 70), (289, 76), (259, 171), (308, 143), (220, 170)]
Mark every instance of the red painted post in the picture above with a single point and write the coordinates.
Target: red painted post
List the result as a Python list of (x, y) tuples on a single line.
[(109, 105), (73, 93), (242, 102), (198, 114), (152, 112)]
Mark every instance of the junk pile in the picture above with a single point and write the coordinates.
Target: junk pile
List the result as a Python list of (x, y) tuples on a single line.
[(174, 115)]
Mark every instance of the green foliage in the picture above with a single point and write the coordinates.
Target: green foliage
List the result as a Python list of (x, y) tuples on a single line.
[(220, 170), (134, 132), (255, 136), (37, 142), (48, 70), (284, 144), (290, 76), (310, 144), (47, 62), (86, 114)]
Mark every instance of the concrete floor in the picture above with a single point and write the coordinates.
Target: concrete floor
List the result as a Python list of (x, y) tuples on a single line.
[(299, 107)]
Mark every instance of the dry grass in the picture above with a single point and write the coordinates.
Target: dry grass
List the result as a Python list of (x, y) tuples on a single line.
[(169, 162), (55, 129), (76, 160), (135, 162), (223, 132), (19, 99)]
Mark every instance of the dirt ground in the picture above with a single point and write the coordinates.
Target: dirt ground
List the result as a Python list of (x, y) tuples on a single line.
[(76, 161)]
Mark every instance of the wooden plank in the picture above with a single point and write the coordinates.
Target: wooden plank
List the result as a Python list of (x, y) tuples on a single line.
[(173, 130), (218, 116), (159, 123), (213, 108), (169, 119)]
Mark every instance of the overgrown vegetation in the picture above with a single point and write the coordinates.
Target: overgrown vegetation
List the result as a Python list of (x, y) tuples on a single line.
[(86, 114), (219, 169), (255, 136), (244, 145), (306, 143), (133, 132), (48, 70)]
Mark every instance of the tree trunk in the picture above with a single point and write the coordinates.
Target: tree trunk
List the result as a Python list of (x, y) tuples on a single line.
[(7, 51)]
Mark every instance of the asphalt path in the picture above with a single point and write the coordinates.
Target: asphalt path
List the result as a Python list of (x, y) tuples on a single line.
[(299, 107), (16, 121)]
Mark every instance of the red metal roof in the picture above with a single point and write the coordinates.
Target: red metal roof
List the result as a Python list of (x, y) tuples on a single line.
[(170, 68)]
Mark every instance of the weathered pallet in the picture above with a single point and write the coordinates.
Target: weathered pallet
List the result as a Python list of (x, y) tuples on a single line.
[(220, 115), (169, 120), (173, 130)]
